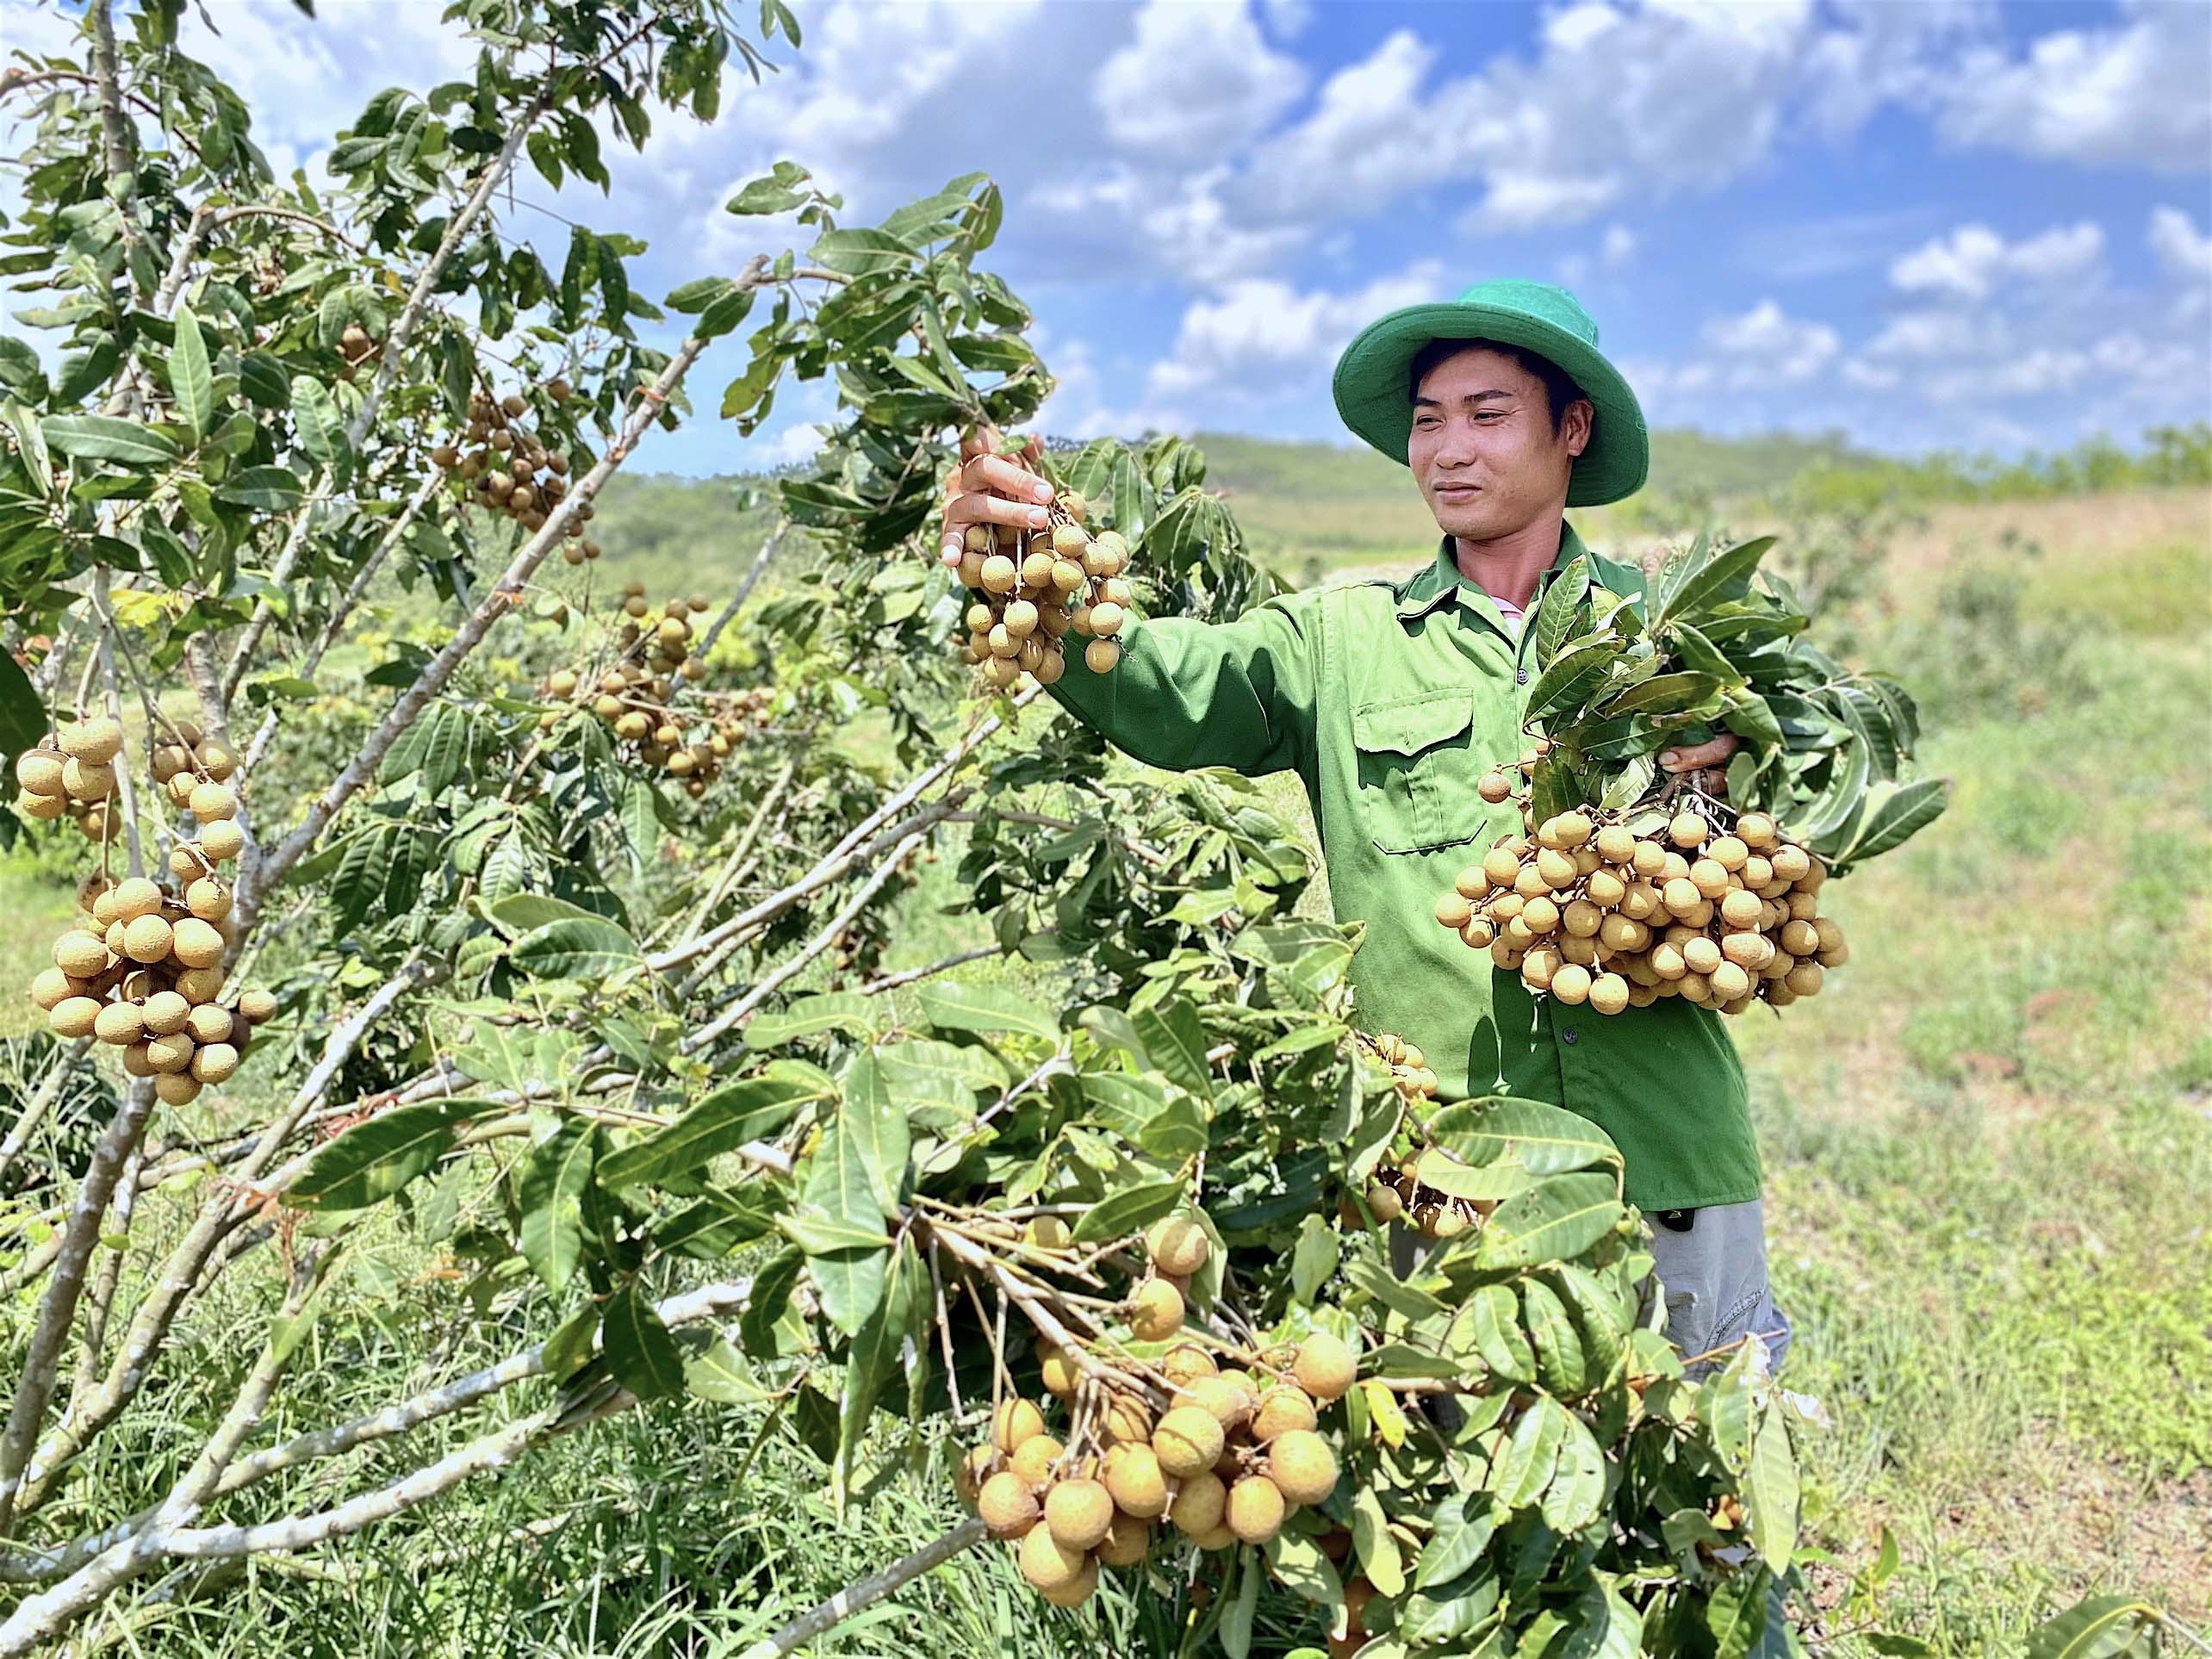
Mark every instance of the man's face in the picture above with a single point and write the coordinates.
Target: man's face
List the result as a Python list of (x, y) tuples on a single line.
[(1484, 449)]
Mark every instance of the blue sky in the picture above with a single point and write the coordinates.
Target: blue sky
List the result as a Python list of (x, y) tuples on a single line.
[(1928, 223)]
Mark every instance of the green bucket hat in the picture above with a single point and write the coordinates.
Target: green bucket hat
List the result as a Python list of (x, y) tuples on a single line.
[(1375, 401)]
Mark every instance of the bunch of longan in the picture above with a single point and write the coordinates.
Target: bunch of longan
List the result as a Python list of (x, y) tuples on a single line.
[(145, 974), (72, 774), (511, 470), (1224, 1464), (1034, 588), (636, 695), (1400, 1193), (1409, 1067), (1591, 912)]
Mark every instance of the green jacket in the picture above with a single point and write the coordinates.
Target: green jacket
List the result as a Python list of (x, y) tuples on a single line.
[(1391, 703)]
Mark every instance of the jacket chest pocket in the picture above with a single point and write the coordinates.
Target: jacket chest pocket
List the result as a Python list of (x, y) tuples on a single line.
[(1417, 770)]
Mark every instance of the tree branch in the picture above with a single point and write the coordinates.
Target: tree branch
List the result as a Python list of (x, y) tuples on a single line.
[(866, 1592)]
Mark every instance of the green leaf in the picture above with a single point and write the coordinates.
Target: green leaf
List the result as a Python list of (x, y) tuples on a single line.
[(810, 1016), (104, 438), (1725, 576), (1314, 1258), (373, 1161), (321, 427), (1523, 1465), (1665, 693), (878, 1354), (1577, 671), (751, 1110), (579, 947), (860, 253), (1236, 1623), (1577, 1493), (1128, 1210), (715, 1370), (1460, 1532), (1770, 1490), (723, 315), (1545, 1139), (551, 1194), (1557, 1220), (1175, 1041), (22, 716), (1555, 617), (1752, 718), (641, 1353), (190, 379), (872, 1127), (1374, 1543), (1895, 814), (1299, 1566), (2102, 1627), (959, 1007), (269, 489)]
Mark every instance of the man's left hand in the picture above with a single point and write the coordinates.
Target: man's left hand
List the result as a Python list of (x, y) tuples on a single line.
[(1700, 757)]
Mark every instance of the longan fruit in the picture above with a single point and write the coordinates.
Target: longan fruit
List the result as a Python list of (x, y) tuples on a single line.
[(1752, 951), (1741, 909), (1756, 830), (1101, 655), (1694, 988), (1828, 932), (80, 955), (1615, 844), (1668, 962), (1609, 993), (88, 780), (1570, 984), (1189, 1439), (194, 942), (1708, 878), (1014, 1422), (206, 1022), (1106, 619), (169, 1050), (94, 741), (177, 1088), (1688, 829), (1680, 895), (215, 761), (1021, 619), (1501, 867), (52, 986), (208, 899), (1478, 933), (39, 772), (1186, 1365), (1155, 1311), (1570, 830), (1079, 1512), (1007, 1506), (1557, 869), (1453, 911), (1702, 954), (44, 808), (1126, 1543), (1302, 1467), (1604, 889), (1046, 1563), (1281, 1410), (1581, 919), (212, 801), (1805, 979), (1729, 980), (1326, 1366), (1177, 1244), (1033, 1458), (1730, 851), (1255, 1509), (150, 939), (199, 985), (1791, 862), (119, 1023), (74, 1016), (1538, 965), (1077, 1591), (1540, 916), (213, 1062), (1648, 859), (1133, 1476)]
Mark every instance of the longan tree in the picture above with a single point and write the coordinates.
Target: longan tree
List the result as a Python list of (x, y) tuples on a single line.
[(564, 960)]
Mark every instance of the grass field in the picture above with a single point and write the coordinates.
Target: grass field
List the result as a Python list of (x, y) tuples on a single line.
[(1987, 1151)]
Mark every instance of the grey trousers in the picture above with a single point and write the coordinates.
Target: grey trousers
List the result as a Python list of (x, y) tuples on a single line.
[(1713, 1274)]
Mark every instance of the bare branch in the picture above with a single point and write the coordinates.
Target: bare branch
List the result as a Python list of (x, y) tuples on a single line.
[(744, 588), (866, 1592)]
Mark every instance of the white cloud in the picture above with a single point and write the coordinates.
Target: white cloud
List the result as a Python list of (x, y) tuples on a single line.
[(2179, 246), (1929, 334), (1289, 18), (2132, 95), (1619, 246), (1195, 83), (1765, 347), (1258, 338), (1974, 259)]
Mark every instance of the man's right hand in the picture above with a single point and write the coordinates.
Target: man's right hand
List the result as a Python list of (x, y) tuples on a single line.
[(990, 488)]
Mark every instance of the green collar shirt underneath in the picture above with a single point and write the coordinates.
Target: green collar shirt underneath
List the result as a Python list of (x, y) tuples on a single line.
[(1390, 702)]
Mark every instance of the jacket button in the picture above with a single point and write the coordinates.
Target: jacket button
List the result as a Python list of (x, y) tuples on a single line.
[(1520, 676), (1571, 1036)]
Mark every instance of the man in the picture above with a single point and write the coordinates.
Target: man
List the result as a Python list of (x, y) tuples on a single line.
[(1391, 701)]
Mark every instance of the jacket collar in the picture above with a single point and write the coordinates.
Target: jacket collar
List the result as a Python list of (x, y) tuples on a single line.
[(1441, 583)]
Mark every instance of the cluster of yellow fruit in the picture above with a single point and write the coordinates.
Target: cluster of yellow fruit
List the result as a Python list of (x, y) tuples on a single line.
[(1592, 913), (1409, 1067), (145, 974), (1034, 588), (1225, 1464), (513, 471), (1400, 1193), (634, 696), (72, 774)]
